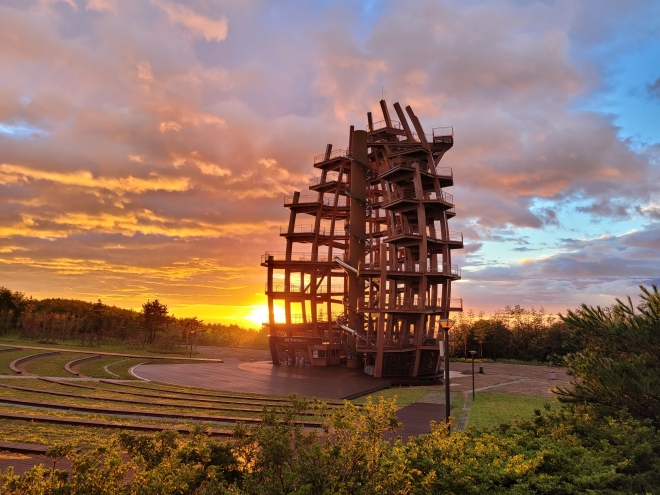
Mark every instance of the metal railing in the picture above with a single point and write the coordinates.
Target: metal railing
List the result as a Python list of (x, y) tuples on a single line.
[(454, 303), (303, 198), (382, 124), (398, 230), (398, 194), (435, 234), (296, 288), (310, 229), (415, 137), (297, 318), (282, 288), (441, 268), (444, 172), (455, 237), (411, 303), (446, 198), (445, 269), (297, 256), (335, 154), (314, 199), (397, 163), (443, 132), (329, 178)]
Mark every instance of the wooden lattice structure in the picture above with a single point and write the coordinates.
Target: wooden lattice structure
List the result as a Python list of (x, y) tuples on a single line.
[(369, 274)]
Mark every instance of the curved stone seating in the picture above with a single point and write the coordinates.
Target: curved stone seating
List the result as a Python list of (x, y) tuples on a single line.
[(69, 366), (14, 364)]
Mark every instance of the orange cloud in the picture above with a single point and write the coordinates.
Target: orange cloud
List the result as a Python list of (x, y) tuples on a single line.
[(16, 174)]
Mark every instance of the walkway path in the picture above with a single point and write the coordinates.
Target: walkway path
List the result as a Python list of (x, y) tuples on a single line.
[(416, 419), (515, 379), (462, 421), (266, 379)]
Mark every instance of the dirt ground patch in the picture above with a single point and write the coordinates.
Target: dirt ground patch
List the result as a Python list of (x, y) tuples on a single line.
[(515, 379)]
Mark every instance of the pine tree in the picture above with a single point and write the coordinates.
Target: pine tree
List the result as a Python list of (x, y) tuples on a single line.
[(615, 357)]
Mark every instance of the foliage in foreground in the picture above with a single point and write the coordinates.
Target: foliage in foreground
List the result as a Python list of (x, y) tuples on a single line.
[(555, 452), (616, 357), (604, 440)]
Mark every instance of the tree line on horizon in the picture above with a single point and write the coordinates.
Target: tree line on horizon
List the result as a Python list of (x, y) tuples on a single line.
[(512, 333), (93, 324)]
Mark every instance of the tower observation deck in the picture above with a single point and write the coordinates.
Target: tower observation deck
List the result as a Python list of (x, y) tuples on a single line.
[(367, 270)]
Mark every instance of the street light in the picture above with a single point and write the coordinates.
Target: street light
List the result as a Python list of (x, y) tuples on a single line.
[(446, 324), (191, 334), (473, 353)]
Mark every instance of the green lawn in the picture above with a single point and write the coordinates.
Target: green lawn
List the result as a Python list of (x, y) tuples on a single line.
[(489, 409), (405, 396), (51, 365)]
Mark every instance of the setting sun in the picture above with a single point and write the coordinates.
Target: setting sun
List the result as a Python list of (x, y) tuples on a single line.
[(259, 314)]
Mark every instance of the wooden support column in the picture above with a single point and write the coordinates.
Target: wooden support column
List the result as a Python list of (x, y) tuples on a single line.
[(380, 336), (404, 122), (386, 113), (269, 289), (289, 249), (356, 243)]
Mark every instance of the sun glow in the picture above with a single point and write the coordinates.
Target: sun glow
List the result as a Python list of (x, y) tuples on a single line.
[(259, 314)]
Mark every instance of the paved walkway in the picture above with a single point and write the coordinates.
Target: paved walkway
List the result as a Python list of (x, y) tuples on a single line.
[(462, 421), (264, 378), (515, 379), (416, 418)]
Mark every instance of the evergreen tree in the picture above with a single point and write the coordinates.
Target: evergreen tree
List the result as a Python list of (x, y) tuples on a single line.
[(615, 357), (154, 318)]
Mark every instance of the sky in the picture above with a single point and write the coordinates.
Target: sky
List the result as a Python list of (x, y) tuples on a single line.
[(146, 146)]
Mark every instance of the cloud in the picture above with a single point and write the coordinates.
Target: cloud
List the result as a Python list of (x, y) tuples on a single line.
[(211, 29), (47, 3), (148, 143), (651, 210), (593, 271), (654, 89), (102, 5), (16, 174)]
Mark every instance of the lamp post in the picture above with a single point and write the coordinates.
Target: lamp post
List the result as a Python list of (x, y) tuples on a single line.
[(446, 324), (192, 334), (473, 353)]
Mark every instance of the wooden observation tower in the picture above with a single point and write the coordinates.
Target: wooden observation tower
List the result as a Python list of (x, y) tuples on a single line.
[(367, 270)]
